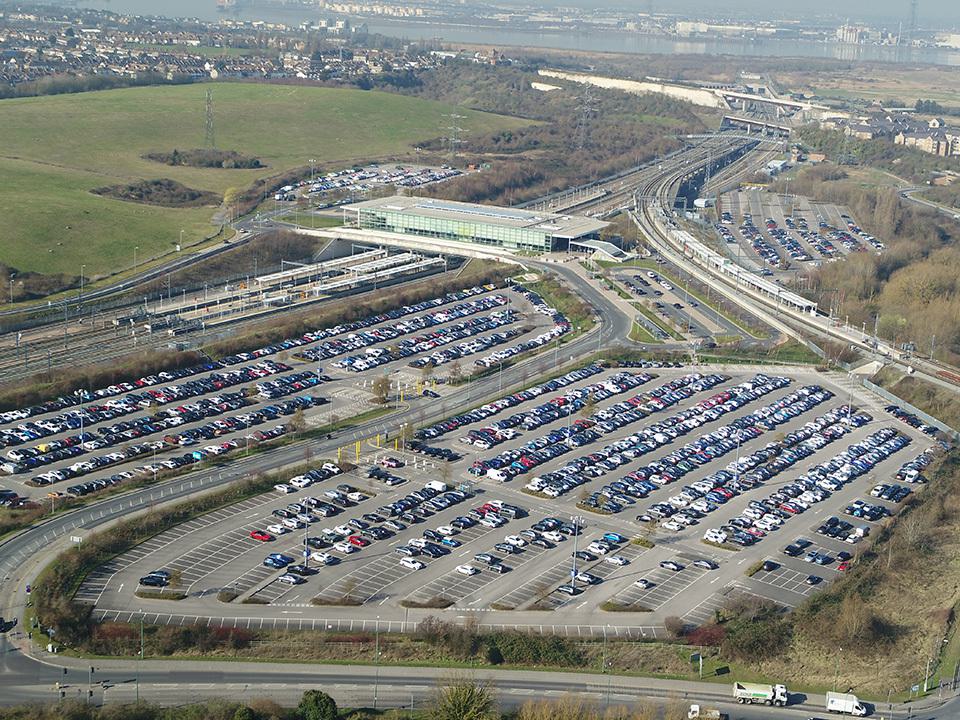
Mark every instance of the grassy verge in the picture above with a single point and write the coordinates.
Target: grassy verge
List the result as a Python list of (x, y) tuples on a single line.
[(721, 546), (754, 568), (638, 333), (662, 322), (787, 353), (943, 403), (643, 542), (438, 602), (309, 220), (160, 594), (613, 606)]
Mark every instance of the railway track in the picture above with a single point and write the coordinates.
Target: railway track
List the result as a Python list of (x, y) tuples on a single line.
[(662, 191)]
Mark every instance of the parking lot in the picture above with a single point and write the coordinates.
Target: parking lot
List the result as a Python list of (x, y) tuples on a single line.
[(766, 231), (500, 545), (97, 437)]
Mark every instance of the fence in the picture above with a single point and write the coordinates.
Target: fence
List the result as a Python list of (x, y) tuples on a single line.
[(929, 419)]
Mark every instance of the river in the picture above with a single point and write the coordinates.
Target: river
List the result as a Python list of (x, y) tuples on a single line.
[(591, 40)]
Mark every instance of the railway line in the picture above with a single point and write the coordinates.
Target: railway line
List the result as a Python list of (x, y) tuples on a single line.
[(653, 211)]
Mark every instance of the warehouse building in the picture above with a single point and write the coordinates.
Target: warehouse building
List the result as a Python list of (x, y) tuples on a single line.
[(508, 228)]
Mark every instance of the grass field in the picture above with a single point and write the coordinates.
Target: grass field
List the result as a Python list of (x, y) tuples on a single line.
[(56, 148)]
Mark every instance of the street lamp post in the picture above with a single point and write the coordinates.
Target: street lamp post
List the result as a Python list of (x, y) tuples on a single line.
[(376, 684), (135, 248), (82, 266)]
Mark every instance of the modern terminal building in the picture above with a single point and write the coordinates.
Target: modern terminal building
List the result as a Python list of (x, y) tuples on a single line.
[(508, 228)]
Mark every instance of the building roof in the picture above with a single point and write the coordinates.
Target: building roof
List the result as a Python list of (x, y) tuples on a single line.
[(561, 226), (603, 247)]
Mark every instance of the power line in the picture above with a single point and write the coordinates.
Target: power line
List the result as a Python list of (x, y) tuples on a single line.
[(586, 108), (453, 139), (210, 139)]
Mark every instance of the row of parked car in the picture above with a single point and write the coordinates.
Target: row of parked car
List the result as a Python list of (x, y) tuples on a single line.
[(23, 459), (561, 326), (83, 395), (477, 344), (137, 401), (710, 492), (193, 436), (763, 465), (816, 485), (564, 405), (587, 430), (611, 499), (912, 470), (395, 333), (358, 330), (103, 412), (484, 412), (910, 419)]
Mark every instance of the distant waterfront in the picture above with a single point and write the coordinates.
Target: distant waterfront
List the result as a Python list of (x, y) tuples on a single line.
[(595, 40)]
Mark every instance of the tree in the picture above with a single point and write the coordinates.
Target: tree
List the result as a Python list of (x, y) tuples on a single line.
[(244, 713), (461, 698), (317, 705), (456, 372), (230, 197), (381, 389)]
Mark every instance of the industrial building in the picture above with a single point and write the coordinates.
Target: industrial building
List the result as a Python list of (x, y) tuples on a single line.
[(508, 228)]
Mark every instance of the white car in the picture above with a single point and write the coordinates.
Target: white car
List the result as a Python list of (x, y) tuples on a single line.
[(447, 530), (492, 522), (345, 547), (284, 488), (291, 523), (515, 540), (467, 570), (344, 530), (717, 536), (300, 481), (418, 542), (322, 557), (277, 529), (598, 548), (412, 563), (554, 536), (357, 496), (671, 525), (618, 560)]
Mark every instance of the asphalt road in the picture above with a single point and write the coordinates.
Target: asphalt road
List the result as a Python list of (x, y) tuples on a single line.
[(168, 682)]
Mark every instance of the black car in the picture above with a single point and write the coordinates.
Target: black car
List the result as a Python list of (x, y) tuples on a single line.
[(154, 581)]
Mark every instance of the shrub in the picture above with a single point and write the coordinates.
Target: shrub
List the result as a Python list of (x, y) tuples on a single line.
[(317, 705), (711, 635), (675, 626)]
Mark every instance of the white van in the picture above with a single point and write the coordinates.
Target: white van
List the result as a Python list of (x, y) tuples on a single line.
[(498, 475), (438, 486)]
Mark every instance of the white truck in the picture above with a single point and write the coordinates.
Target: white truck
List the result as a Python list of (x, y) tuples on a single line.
[(760, 694), (845, 703), (699, 712)]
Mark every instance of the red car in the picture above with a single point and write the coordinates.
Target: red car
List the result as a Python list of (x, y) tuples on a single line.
[(261, 535), (358, 541), (843, 567)]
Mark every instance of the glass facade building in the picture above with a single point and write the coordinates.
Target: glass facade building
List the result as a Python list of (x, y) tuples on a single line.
[(509, 228)]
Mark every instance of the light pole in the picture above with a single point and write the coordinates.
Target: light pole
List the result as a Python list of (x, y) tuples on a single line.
[(81, 285), (576, 520), (140, 659), (376, 684), (135, 248), (312, 163)]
